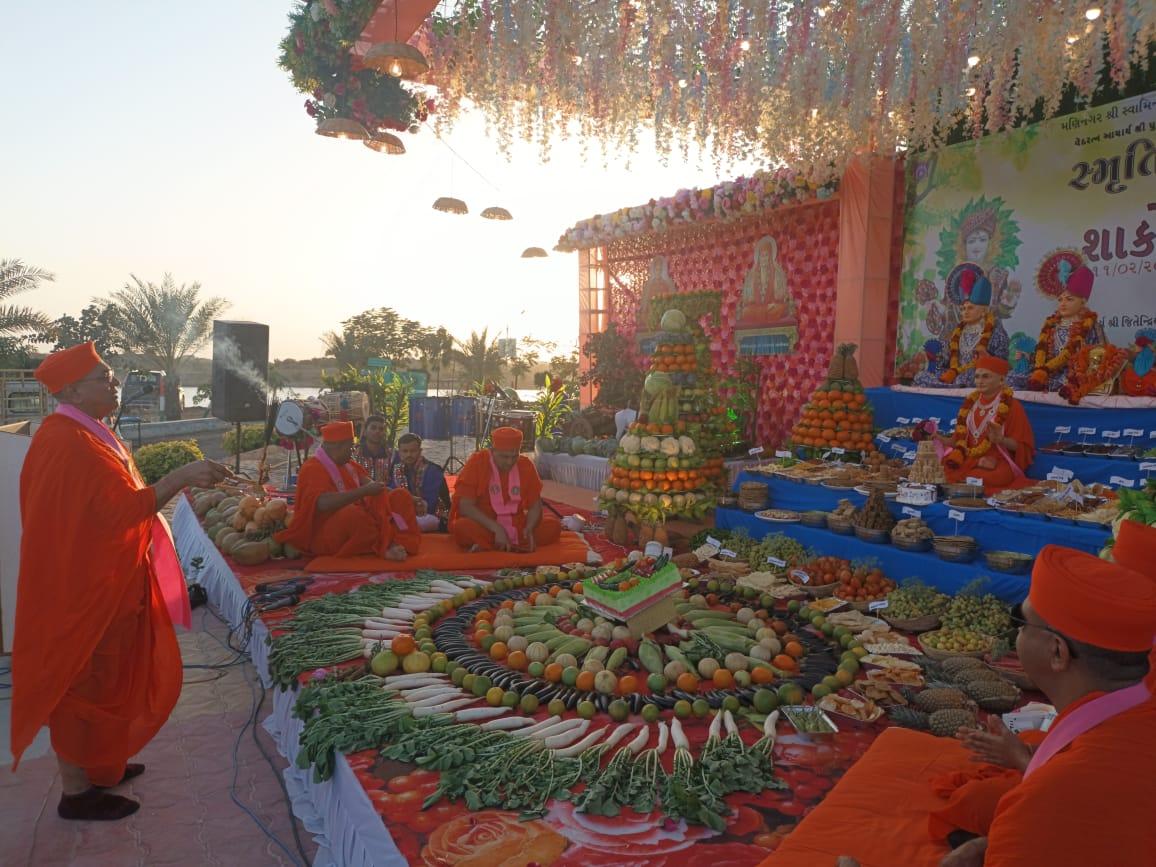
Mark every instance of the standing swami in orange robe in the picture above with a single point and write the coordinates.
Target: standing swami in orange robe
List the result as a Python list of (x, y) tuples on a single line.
[(1089, 788), (340, 511), (497, 502), (993, 438), (95, 655), (1135, 549)]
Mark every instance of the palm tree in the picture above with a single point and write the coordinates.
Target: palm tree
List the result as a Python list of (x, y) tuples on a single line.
[(161, 326), (16, 277), (343, 349), (435, 350), (523, 364), (480, 357)]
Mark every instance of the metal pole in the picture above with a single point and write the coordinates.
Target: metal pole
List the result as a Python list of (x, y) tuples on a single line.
[(237, 455)]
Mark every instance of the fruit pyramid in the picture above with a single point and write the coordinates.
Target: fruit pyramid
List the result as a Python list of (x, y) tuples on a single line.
[(837, 415), (670, 462)]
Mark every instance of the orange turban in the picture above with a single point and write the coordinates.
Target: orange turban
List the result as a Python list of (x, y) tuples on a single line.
[(337, 431), (1092, 600), (61, 369), (1135, 548), (993, 363), (506, 439)]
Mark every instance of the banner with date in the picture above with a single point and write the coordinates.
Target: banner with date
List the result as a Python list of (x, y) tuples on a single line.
[(1076, 189)]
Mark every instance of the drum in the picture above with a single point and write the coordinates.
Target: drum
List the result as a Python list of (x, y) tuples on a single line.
[(462, 420), (429, 417), (522, 419)]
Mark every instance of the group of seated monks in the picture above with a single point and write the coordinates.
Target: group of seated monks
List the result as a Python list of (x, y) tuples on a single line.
[(343, 510)]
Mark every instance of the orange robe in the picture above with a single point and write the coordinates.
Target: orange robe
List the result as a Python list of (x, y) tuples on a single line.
[(473, 483), (1016, 427), (95, 655), (364, 527), (1092, 803)]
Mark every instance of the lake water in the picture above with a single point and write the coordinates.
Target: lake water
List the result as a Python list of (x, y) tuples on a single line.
[(189, 392)]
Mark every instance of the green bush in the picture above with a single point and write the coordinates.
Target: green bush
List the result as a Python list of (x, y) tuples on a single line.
[(252, 437), (160, 459)]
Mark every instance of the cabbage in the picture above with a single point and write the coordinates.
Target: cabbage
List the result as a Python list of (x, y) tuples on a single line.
[(657, 381), (686, 445), (631, 444), (669, 446), (672, 320), (577, 445), (545, 444)]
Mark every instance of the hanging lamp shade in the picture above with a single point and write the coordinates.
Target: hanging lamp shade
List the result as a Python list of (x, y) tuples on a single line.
[(397, 59), (342, 127), (497, 214), (450, 205), (534, 253), (385, 143)]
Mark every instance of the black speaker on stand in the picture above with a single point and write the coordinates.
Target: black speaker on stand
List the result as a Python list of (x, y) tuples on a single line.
[(240, 373)]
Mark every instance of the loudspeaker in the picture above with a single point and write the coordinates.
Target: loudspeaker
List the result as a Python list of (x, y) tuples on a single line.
[(240, 369)]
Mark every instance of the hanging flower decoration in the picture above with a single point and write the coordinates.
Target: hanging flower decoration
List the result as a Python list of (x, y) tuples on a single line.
[(317, 55), (805, 83), (763, 191)]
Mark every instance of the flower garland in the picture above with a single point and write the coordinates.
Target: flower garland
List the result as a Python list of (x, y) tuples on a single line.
[(1083, 378), (951, 374), (960, 451), (763, 191), (1046, 364), (317, 55)]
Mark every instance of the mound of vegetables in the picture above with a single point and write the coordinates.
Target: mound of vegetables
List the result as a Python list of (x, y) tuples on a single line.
[(242, 526)]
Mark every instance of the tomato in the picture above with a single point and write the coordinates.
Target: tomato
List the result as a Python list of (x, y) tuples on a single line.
[(425, 821), (791, 808), (808, 793), (419, 779), (744, 821), (397, 807)]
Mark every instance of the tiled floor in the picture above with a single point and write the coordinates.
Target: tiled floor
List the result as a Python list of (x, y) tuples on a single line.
[(186, 815)]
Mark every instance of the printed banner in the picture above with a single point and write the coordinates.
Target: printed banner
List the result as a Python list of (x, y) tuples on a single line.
[(1027, 207)]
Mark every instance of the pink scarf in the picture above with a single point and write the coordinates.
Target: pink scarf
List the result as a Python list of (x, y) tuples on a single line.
[(1085, 718), (336, 474), (505, 509), (164, 563)]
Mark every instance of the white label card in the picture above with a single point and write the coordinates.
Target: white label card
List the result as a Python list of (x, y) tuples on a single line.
[(975, 482), (899, 447), (775, 561), (912, 513), (1087, 431), (903, 420), (909, 456), (838, 450), (1122, 482), (727, 552), (1133, 432), (1148, 466), (883, 438), (1063, 428), (916, 420), (1110, 434), (935, 419), (802, 576), (713, 542), (877, 605), (956, 515), (1152, 434), (757, 450), (1059, 474), (780, 453)]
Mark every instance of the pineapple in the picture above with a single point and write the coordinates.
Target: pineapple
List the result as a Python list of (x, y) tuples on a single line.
[(908, 717), (932, 700), (951, 667), (994, 696), (975, 674), (945, 723)]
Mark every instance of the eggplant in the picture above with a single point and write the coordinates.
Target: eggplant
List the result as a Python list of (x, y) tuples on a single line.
[(682, 694), (601, 700), (635, 703), (665, 702)]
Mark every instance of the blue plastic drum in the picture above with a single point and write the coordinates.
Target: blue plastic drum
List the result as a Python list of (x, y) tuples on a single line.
[(463, 421), (429, 417)]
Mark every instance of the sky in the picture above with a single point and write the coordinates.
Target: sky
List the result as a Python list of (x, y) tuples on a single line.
[(152, 137)]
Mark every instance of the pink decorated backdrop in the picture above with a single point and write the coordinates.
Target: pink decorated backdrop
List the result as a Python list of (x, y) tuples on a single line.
[(716, 257)]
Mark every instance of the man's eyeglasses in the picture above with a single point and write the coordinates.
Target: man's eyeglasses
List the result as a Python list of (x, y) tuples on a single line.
[(105, 378), (1021, 623)]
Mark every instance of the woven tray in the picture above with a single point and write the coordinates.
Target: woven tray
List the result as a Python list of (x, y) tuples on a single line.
[(926, 623)]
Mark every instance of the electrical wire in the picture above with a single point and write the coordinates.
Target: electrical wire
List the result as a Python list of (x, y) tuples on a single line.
[(279, 776)]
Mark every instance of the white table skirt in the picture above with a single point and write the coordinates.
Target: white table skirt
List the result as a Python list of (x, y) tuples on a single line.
[(580, 471)]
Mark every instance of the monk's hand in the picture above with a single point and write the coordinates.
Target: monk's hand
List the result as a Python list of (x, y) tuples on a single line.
[(995, 434), (501, 540), (395, 552), (998, 745), (205, 474), (846, 861), (970, 854), (987, 463), (530, 545), (371, 489)]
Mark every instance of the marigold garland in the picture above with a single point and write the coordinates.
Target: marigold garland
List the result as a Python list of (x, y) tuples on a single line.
[(1046, 364), (951, 374), (1082, 380), (961, 452)]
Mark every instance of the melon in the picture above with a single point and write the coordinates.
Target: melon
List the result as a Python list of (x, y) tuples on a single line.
[(276, 510), (228, 539), (656, 382), (251, 553), (220, 534)]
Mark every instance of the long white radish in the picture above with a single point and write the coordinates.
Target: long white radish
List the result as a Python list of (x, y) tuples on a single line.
[(382, 623), (445, 586), (477, 713), (715, 726), (770, 724), (732, 726), (403, 679), (663, 737), (581, 746), (445, 707), (441, 698), (537, 727), (559, 728), (413, 684), (418, 693), (413, 606), (640, 740), (505, 724), (618, 734), (397, 614), (568, 737), (376, 635)]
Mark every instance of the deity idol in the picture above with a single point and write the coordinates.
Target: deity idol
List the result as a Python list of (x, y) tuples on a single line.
[(978, 331), (1072, 327), (766, 297), (658, 282)]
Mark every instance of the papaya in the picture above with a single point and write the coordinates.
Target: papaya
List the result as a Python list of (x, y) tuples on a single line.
[(660, 535), (220, 534), (251, 553), (201, 504), (228, 540)]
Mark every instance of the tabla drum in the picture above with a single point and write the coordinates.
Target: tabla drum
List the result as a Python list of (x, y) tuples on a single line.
[(521, 419)]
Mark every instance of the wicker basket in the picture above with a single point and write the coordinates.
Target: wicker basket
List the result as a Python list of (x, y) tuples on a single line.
[(940, 655), (817, 591), (868, 534), (916, 545), (840, 525), (813, 519), (752, 496), (1008, 561), (926, 623)]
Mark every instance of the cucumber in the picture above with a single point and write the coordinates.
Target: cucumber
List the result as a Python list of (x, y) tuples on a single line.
[(651, 656), (616, 659), (676, 655), (598, 653)]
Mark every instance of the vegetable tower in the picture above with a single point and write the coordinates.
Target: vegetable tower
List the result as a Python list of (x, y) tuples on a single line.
[(669, 462), (838, 415)]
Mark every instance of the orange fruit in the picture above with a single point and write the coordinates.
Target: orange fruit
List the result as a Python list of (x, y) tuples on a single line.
[(403, 645), (585, 681), (576, 589), (762, 675), (498, 650), (553, 672), (485, 615), (784, 662), (628, 684), (723, 679), (687, 682), (793, 648), (516, 660)]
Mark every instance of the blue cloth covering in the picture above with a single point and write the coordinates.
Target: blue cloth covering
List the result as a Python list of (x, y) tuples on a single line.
[(897, 564), (994, 530)]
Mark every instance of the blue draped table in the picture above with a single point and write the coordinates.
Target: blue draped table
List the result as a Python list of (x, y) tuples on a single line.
[(994, 530), (896, 563)]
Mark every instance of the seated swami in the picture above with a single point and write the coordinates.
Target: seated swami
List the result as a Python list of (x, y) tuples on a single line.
[(340, 511), (497, 502), (992, 439)]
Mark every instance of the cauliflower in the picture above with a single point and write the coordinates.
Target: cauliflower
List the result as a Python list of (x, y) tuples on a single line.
[(669, 447), (631, 444), (650, 444), (686, 445)]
